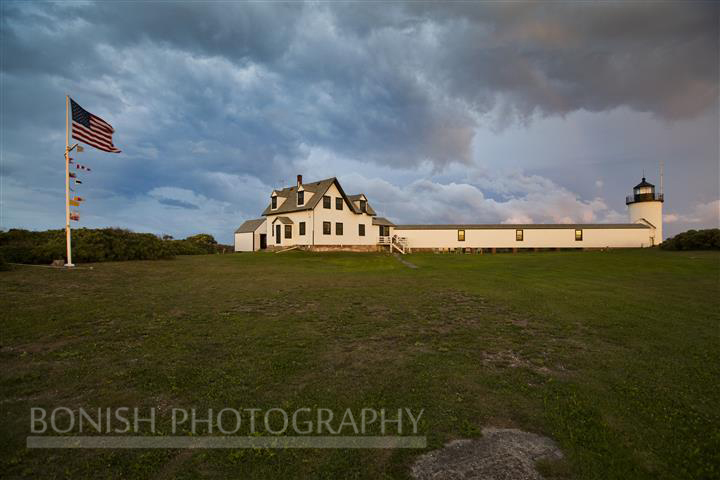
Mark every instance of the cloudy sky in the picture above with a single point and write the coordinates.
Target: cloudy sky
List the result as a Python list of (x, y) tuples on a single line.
[(463, 112)]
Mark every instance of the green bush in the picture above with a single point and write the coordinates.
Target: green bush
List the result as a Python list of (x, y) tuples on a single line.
[(98, 245), (708, 239)]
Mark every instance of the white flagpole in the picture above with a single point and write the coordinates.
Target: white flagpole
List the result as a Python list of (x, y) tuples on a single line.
[(67, 183)]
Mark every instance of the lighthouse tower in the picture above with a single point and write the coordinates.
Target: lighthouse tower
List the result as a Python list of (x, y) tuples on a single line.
[(645, 205)]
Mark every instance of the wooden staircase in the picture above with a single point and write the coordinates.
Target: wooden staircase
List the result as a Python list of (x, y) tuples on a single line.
[(395, 243)]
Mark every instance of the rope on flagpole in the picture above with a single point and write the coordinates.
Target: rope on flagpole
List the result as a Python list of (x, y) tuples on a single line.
[(67, 183)]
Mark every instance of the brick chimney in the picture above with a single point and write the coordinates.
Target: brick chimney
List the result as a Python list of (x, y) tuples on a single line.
[(299, 180)]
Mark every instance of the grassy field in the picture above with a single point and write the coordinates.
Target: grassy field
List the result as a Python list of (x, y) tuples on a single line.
[(615, 355)]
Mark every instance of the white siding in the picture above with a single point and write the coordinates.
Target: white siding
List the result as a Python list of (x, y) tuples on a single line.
[(349, 219), (244, 242), (649, 211), (532, 238), (297, 239)]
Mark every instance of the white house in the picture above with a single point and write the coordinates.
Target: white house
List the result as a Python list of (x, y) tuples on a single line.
[(320, 216)]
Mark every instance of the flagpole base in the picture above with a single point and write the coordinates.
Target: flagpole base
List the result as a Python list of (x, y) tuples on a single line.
[(69, 265)]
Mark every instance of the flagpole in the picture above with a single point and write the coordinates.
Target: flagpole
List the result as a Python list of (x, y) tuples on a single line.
[(67, 183)]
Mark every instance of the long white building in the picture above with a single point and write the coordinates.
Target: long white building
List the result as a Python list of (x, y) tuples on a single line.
[(320, 216)]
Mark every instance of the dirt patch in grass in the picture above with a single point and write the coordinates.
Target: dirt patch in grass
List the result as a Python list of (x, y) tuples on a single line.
[(470, 308), (510, 359), (498, 454)]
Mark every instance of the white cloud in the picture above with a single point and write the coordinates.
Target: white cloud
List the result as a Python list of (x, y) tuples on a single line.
[(700, 216), (534, 200)]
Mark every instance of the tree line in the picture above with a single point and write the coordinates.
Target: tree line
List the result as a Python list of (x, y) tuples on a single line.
[(100, 245), (708, 239)]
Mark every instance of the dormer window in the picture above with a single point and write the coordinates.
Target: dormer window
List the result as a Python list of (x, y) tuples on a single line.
[(301, 197), (363, 206), (273, 202)]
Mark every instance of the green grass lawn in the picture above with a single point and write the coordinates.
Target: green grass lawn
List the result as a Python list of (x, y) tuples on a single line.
[(615, 355)]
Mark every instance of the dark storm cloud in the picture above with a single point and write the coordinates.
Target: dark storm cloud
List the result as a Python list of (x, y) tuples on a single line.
[(399, 83), (559, 57), (257, 32)]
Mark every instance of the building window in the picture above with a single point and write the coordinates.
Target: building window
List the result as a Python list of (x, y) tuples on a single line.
[(273, 202), (338, 228), (361, 229), (338, 203), (326, 228), (326, 201), (301, 197), (384, 230), (578, 235), (518, 235), (461, 235), (363, 206), (302, 228), (288, 231)]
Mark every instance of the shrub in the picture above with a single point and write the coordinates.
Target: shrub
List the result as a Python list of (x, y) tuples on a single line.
[(97, 245), (708, 239)]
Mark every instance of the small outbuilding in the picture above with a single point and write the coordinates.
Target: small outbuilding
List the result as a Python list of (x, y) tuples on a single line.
[(251, 236)]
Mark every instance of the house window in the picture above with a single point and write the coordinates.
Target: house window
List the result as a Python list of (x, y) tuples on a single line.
[(326, 228), (518, 235), (301, 197), (361, 229), (288, 231), (384, 230), (302, 228), (461, 235), (326, 201), (363, 206), (338, 228), (273, 202), (578, 235), (338, 203)]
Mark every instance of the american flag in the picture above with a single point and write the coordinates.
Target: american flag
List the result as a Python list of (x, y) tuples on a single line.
[(91, 129)]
